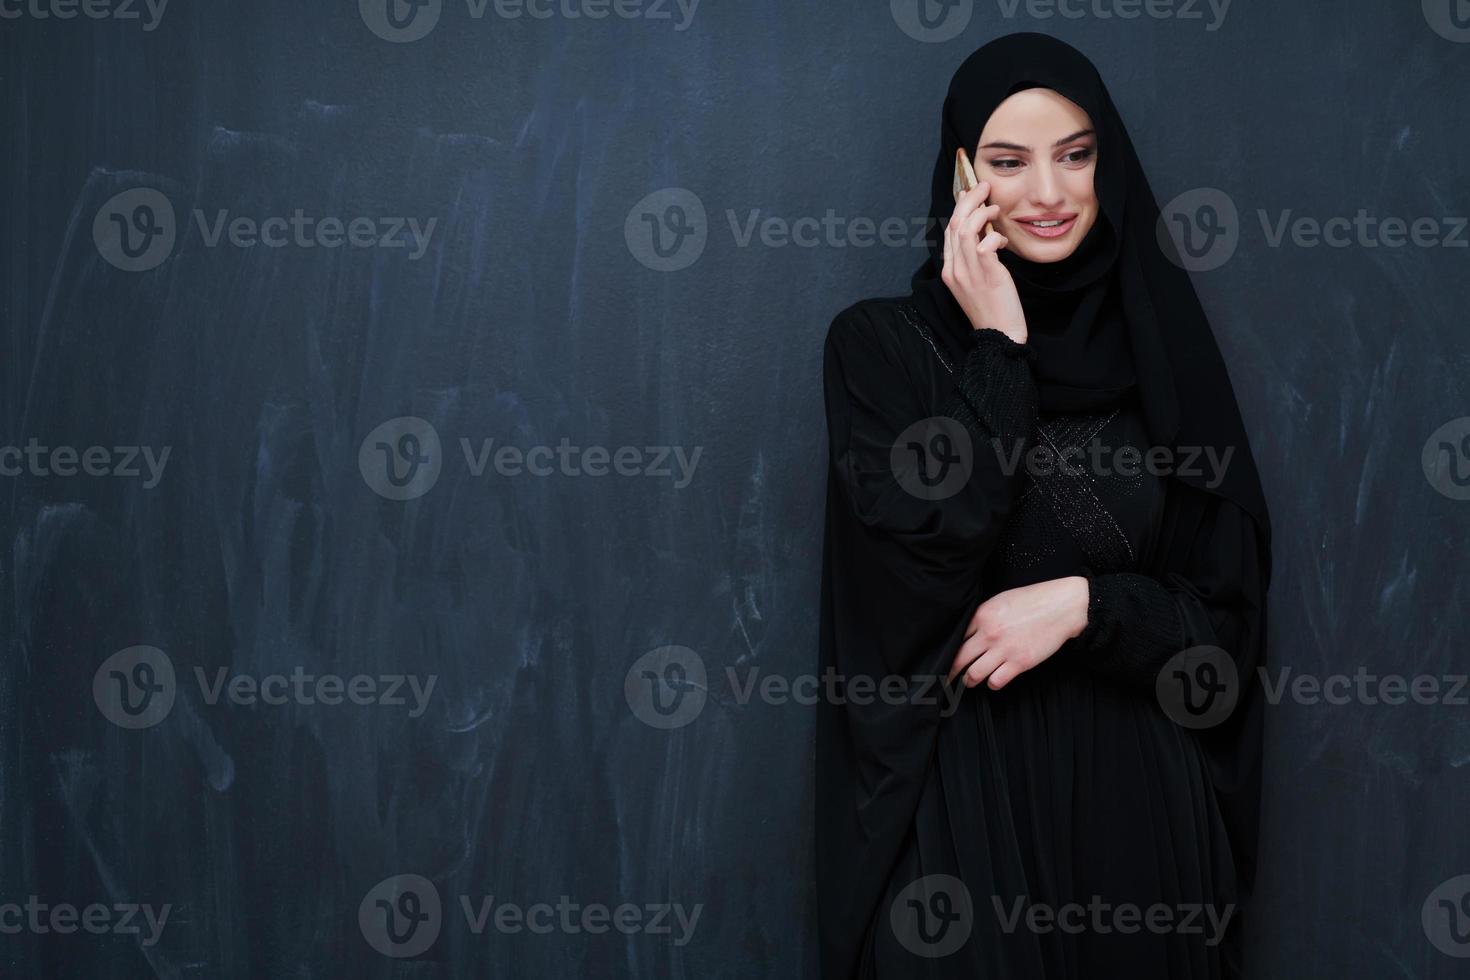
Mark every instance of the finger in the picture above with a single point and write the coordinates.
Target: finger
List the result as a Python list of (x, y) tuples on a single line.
[(974, 623), (1002, 675), (969, 261), (952, 238), (967, 241), (1006, 673), (969, 201), (969, 651), (977, 219), (992, 243), (979, 670)]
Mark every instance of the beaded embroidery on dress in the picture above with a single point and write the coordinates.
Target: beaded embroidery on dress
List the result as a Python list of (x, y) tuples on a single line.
[(1067, 497)]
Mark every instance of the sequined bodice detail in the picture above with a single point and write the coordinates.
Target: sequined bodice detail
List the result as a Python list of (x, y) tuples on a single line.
[(1085, 499)]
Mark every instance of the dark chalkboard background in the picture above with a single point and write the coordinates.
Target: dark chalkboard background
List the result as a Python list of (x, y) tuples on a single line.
[(538, 312)]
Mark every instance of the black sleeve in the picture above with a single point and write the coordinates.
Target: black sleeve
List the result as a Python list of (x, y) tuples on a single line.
[(920, 552), (1136, 623), (995, 395), (1133, 626)]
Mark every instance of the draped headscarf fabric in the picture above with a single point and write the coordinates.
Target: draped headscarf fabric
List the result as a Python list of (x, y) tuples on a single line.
[(1120, 312)]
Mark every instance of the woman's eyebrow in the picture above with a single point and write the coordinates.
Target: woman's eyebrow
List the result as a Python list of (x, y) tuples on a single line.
[(1026, 149)]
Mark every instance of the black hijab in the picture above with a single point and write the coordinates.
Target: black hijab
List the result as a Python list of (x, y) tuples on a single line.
[(1117, 317)]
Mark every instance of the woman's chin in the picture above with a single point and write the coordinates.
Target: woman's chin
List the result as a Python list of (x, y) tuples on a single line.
[(1043, 251)]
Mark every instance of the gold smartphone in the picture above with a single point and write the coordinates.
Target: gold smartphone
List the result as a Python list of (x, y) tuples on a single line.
[(965, 179)]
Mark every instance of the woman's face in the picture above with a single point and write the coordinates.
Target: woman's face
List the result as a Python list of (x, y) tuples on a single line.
[(1039, 152)]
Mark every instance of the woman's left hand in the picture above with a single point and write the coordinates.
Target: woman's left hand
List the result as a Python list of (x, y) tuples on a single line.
[(1017, 629)]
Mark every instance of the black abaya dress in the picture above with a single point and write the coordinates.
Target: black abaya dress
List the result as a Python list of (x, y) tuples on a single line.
[(1065, 825)]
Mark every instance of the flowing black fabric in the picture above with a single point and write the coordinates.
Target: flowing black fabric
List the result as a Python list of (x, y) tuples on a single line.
[(1071, 781)]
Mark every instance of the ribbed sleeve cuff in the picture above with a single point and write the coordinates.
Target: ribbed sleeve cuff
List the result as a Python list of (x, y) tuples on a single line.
[(995, 388), (1133, 626)]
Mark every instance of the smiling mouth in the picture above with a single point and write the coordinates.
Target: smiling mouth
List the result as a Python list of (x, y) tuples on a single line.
[(1050, 227)]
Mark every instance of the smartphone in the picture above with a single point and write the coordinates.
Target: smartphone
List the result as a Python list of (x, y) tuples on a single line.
[(965, 179)]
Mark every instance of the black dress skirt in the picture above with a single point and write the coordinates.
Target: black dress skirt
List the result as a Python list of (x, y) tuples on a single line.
[(1065, 825)]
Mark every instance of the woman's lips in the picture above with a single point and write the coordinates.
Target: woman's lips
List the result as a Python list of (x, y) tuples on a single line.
[(1055, 231)]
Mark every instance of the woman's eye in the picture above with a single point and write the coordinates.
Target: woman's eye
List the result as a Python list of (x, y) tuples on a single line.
[(1005, 164), (1079, 156)]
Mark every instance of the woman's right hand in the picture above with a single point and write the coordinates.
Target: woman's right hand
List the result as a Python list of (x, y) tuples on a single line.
[(973, 272)]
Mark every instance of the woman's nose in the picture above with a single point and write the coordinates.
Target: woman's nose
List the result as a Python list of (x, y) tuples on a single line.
[(1046, 188)]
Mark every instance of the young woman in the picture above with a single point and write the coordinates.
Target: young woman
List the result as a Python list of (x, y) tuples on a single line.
[(1087, 806)]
